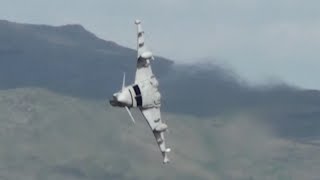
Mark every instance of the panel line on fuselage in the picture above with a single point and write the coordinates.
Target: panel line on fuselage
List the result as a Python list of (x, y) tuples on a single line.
[(131, 97)]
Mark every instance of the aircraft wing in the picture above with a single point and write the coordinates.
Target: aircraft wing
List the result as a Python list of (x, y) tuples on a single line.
[(153, 117), (144, 57)]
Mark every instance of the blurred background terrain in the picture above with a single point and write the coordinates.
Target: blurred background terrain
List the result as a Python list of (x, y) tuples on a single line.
[(56, 123)]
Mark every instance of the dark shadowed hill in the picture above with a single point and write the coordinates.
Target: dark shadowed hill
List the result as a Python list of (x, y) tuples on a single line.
[(66, 59), (72, 61)]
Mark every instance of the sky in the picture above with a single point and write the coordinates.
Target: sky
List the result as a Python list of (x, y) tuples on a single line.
[(262, 40)]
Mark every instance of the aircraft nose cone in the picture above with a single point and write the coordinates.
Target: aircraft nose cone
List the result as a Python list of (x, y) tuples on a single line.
[(113, 100)]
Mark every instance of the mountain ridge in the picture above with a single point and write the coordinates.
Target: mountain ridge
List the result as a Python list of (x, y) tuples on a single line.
[(74, 62)]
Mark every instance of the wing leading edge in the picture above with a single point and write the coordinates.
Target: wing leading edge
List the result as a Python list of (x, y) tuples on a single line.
[(144, 56), (144, 74)]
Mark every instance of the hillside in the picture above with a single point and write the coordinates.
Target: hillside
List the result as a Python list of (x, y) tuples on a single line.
[(72, 61), (55, 122), (67, 59), (45, 135)]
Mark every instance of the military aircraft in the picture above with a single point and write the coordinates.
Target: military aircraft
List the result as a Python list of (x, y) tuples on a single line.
[(144, 94)]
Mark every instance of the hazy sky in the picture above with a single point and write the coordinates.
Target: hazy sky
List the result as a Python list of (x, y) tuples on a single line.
[(260, 39)]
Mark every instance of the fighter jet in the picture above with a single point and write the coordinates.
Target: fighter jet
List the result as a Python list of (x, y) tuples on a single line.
[(144, 94)]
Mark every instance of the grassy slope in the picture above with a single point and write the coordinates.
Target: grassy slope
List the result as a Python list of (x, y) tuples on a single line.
[(45, 135)]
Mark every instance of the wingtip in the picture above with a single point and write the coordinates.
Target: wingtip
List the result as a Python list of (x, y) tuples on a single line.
[(166, 160), (137, 21)]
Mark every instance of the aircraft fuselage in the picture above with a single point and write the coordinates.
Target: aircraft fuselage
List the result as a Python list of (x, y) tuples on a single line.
[(143, 94)]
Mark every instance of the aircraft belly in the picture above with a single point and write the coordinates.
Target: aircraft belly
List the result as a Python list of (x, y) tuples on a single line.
[(144, 94), (150, 95)]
